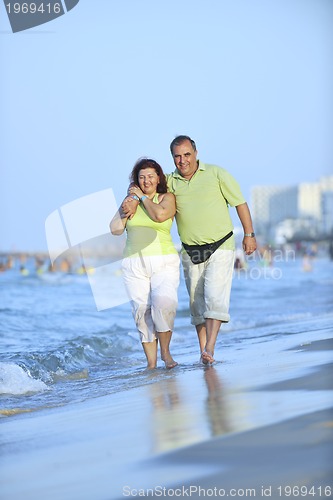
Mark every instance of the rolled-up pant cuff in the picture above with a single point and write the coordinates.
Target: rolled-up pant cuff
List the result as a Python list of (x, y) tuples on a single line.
[(199, 320), (225, 317)]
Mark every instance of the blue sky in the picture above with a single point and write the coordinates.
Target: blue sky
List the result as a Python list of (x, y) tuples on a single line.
[(84, 96)]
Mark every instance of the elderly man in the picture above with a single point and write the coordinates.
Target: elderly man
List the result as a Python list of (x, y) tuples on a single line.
[(203, 193)]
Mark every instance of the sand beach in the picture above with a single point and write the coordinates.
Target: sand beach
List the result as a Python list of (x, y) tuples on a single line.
[(256, 428)]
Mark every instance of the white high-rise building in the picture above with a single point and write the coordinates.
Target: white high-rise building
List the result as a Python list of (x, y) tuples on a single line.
[(309, 200), (308, 204), (272, 204), (326, 184)]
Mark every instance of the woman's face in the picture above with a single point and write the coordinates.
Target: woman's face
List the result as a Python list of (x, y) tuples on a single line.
[(148, 180)]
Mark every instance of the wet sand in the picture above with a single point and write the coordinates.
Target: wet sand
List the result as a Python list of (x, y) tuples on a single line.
[(249, 423)]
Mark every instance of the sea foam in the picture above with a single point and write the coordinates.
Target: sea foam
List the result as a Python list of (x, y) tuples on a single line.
[(14, 380)]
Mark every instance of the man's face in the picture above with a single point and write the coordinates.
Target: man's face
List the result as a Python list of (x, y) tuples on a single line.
[(185, 159)]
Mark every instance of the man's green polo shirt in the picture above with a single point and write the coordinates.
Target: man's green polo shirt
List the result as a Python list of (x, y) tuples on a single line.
[(202, 204)]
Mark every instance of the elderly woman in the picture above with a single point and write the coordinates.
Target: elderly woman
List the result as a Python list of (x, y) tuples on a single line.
[(151, 262)]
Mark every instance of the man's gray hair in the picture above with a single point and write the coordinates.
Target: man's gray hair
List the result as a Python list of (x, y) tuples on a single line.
[(180, 139)]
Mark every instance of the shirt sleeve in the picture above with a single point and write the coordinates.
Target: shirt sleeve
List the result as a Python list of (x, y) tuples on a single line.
[(230, 188)]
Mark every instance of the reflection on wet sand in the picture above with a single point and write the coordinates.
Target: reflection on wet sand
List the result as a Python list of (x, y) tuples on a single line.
[(173, 422), (216, 407), (183, 416)]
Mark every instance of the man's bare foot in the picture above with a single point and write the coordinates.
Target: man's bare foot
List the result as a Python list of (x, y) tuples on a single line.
[(207, 357), (151, 366)]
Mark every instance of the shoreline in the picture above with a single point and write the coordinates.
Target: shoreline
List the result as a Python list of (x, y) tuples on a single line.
[(272, 461), (193, 426)]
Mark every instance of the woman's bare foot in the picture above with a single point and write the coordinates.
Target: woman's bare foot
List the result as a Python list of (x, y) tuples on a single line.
[(150, 350), (207, 357)]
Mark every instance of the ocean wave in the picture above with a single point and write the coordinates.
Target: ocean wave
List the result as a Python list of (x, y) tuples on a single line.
[(35, 371), (17, 381), (265, 320)]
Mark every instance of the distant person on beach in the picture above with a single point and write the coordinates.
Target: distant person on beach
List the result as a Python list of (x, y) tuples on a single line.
[(330, 249), (151, 262), (203, 193)]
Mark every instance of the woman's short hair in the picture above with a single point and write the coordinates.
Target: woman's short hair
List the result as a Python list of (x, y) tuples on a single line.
[(144, 163)]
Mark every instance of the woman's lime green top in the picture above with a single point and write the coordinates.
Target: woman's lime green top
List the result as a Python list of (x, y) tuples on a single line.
[(146, 237)]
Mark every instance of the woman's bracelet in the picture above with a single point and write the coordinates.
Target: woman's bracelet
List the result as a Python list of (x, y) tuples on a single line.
[(135, 197), (143, 197)]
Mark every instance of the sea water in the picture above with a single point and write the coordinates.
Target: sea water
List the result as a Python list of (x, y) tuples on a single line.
[(56, 348)]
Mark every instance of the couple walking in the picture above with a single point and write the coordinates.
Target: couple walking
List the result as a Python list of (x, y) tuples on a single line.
[(198, 195)]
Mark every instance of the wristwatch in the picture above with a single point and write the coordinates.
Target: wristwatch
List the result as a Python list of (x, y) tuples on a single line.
[(252, 235)]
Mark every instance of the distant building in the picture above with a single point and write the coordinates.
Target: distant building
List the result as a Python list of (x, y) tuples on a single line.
[(327, 211), (283, 205), (309, 200), (289, 212), (271, 205)]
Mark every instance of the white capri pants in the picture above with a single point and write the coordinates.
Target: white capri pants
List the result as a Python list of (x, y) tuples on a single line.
[(209, 286), (152, 284)]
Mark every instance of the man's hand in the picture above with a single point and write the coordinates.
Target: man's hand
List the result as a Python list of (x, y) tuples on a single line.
[(129, 206), (249, 244), (135, 190)]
